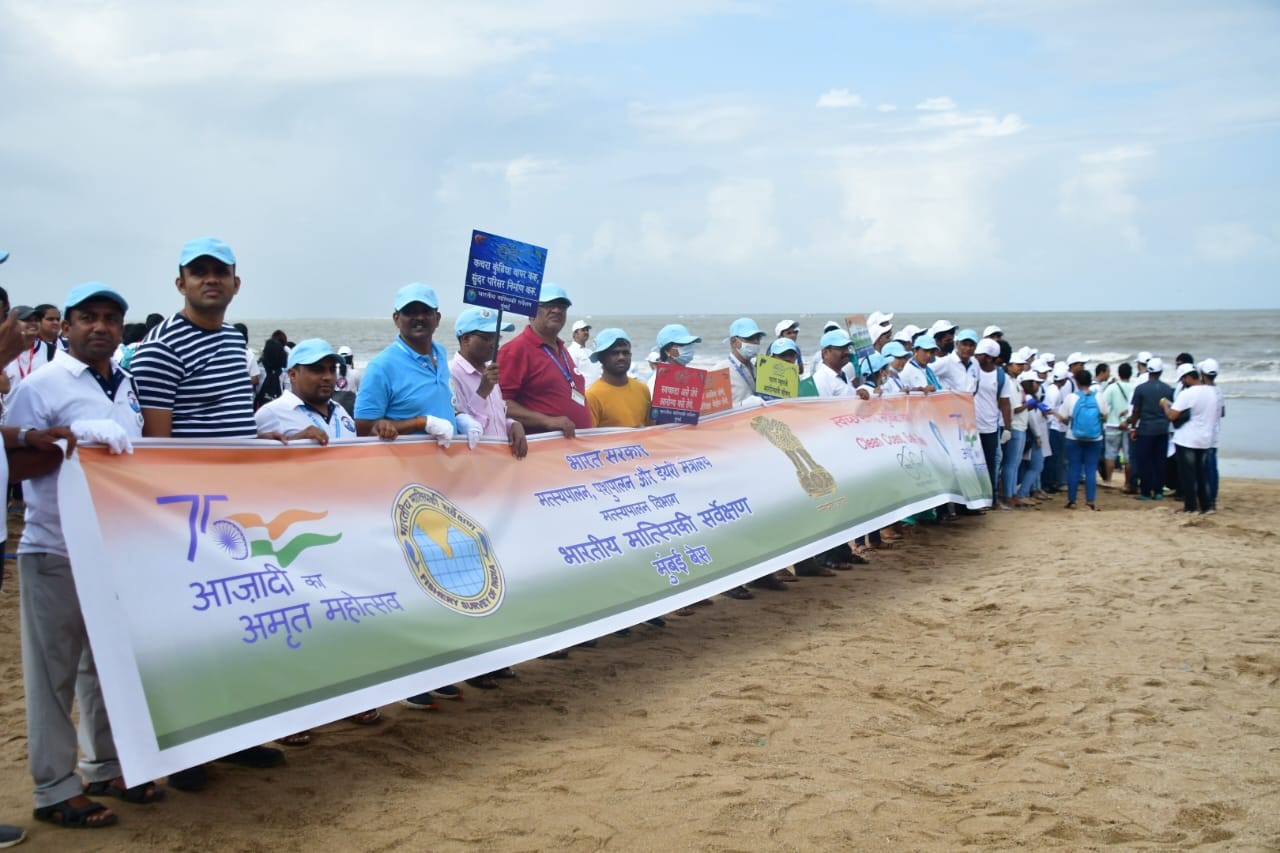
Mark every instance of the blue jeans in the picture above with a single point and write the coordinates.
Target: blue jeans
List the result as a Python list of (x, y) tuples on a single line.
[(1082, 457), (1012, 461), (1031, 475), (1056, 465)]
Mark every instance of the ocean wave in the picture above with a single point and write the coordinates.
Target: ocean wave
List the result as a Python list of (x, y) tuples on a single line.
[(1111, 358), (1252, 395)]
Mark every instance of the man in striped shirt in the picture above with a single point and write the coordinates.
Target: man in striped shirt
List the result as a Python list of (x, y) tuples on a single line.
[(193, 382), (192, 377)]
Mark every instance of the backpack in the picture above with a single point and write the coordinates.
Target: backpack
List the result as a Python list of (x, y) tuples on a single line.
[(1086, 419), (268, 389)]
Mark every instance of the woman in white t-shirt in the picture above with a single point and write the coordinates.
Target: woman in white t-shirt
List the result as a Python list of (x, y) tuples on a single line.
[(1083, 412)]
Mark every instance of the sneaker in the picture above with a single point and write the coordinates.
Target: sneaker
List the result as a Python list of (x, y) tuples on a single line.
[(1158, 497), (420, 702), (449, 692), (11, 835), (260, 757), (657, 622), (1209, 511)]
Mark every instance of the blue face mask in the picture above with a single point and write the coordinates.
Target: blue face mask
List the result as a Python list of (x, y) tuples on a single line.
[(685, 356)]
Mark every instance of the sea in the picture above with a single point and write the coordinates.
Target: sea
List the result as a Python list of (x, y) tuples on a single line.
[(1246, 345)]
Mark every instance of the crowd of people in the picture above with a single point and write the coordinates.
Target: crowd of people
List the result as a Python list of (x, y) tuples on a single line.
[(78, 372)]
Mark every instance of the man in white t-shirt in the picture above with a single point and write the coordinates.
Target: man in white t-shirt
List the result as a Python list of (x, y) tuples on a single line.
[(959, 371), (1195, 415), (991, 408), (581, 353), (1209, 376)]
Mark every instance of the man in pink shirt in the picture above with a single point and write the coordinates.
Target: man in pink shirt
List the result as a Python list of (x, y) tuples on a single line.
[(475, 377)]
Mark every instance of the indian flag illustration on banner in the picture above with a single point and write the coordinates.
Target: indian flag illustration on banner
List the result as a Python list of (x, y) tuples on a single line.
[(238, 535)]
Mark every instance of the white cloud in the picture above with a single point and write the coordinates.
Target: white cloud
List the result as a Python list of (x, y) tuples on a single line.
[(1101, 195), (153, 43), (974, 124), (886, 108), (1119, 154), (522, 169), (839, 98), (935, 104), (698, 124), (740, 222), (1227, 242)]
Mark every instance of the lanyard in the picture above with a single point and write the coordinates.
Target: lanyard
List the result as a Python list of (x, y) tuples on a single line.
[(743, 372), (555, 359)]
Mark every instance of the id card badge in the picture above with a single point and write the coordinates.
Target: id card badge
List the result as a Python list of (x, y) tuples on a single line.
[(577, 397)]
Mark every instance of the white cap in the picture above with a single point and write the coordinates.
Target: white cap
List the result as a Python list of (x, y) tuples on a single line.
[(992, 330), (1076, 358), (782, 326), (830, 325), (1060, 372), (942, 326), (1155, 365), (907, 332), (1025, 354), (1144, 357), (1029, 376), (1209, 366), (879, 318), (1184, 369), (344, 350), (653, 356), (1049, 357), (1040, 366), (1018, 357), (578, 325), (987, 346)]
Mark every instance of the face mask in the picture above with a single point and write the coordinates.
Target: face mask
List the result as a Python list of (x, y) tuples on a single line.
[(684, 357), (747, 350)]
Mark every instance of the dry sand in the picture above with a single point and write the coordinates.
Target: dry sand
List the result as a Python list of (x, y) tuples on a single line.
[(1029, 679)]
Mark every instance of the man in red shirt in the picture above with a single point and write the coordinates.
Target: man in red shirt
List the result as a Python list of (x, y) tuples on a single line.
[(538, 377)]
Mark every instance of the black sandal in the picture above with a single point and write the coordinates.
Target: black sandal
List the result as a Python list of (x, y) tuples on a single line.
[(740, 592), (147, 792), (73, 817)]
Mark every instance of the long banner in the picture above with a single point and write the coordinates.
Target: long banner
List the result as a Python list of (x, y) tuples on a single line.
[(238, 592)]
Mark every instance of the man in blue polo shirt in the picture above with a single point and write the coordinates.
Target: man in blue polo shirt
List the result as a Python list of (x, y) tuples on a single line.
[(408, 382)]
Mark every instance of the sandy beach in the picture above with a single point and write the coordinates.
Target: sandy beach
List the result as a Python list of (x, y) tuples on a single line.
[(1038, 678)]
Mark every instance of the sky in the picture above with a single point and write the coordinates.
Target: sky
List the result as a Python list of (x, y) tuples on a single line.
[(683, 156)]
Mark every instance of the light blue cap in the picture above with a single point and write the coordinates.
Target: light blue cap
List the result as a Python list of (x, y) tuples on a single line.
[(605, 339), (782, 345), (4, 256), (310, 351), (416, 292), (894, 349), (925, 342), (967, 335), (836, 338), (476, 319), (743, 327), (673, 334), (93, 290), (553, 293), (210, 246), (874, 362)]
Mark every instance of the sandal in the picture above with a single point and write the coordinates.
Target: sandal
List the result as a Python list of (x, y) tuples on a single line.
[(740, 592), (75, 817), (816, 572), (484, 682), (1094, 508), (505, 672), (1070, 505), (366, 718), (147, 792), (296, 739)]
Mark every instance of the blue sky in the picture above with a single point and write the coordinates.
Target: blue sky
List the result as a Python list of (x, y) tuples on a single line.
[(696, 156)]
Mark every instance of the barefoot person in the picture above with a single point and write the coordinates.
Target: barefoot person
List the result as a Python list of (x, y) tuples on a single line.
[(81, 393)]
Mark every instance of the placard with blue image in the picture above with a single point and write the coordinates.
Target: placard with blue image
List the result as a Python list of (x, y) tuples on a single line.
[(504, 274)]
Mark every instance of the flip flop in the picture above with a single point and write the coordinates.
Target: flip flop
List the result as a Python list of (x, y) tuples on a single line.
[(740, 592), (366, 718)]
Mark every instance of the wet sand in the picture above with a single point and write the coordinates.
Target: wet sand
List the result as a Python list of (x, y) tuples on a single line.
[(1039, 678)]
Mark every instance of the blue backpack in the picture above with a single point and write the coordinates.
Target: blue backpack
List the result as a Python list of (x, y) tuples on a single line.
[(1086, 420)]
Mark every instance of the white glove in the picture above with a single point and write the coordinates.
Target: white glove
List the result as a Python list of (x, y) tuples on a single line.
[(105, 432), (471, 427), (439, 429), (1004, 436)]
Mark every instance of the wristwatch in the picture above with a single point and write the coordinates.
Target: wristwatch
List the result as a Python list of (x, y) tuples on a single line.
[(22, 436)]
